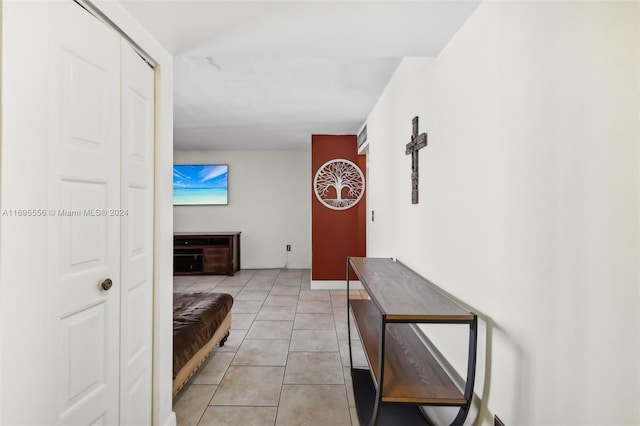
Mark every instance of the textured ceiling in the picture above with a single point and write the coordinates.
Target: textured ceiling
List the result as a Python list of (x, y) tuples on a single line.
[(269, 74)]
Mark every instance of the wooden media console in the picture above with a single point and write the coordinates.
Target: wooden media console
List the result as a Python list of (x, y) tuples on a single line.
[(206, 254)]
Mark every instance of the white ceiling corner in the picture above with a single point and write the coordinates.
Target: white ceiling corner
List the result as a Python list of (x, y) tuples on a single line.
[(265, 75)]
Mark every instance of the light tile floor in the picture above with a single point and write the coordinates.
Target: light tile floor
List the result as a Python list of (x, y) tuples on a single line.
[(286, 362)]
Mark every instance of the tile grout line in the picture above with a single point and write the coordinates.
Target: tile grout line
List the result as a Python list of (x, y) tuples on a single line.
[(228, 366), (284, 373)]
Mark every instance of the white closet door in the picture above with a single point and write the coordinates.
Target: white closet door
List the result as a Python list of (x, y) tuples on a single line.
[(84, 245), (77, 196), (137, 239)]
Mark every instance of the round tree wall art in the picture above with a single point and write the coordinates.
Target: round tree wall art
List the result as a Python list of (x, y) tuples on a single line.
[(339, 184)]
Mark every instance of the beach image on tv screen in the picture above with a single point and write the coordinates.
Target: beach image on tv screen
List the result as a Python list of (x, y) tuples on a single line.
[(200, 184)]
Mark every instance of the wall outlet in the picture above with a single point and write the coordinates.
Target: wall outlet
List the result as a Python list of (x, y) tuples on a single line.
[(288, 247)]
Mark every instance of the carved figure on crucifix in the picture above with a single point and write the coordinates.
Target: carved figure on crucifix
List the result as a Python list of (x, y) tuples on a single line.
[(418, 141)]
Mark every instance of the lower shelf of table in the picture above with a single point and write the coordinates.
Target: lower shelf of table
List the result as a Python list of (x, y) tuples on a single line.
[(390, 414)]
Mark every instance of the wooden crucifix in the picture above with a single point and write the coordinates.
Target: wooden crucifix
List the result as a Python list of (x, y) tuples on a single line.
[(418, 141)]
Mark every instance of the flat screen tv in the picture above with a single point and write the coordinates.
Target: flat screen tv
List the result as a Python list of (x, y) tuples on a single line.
[(200, 184)]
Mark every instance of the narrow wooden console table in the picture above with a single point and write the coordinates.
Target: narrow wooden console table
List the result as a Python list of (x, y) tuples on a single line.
[(403, 374), (215, 253)]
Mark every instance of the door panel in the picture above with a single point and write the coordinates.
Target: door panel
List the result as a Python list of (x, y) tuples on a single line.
[(82, 341), (137, 238), (84, 97), (84, 241), (76, 198)]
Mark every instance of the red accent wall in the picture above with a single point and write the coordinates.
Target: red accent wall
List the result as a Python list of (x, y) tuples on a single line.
[(335, 234)]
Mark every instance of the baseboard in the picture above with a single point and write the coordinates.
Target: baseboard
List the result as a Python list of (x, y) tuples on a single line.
[(335, 285), (171, 421)]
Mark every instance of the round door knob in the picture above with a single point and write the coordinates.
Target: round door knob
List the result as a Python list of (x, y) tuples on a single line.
[(106, 284)]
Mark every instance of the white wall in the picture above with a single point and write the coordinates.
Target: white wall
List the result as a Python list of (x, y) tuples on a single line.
[(269, 202), (528, 203)]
